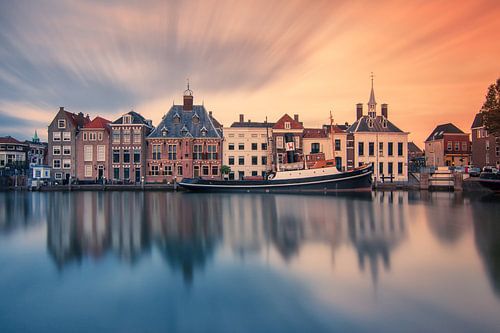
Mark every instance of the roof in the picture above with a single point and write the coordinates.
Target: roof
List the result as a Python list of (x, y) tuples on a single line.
[(78, 120), (137, 119), (379, 124), (280, 124), (336, 128), (442, 129), (9, 139), (372, 97), (314, 133), (252, 124), (178, 123), (98, 122), (216, 123), (412, 147), (478, 121)]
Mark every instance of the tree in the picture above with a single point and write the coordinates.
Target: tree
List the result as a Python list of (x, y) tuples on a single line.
[(491, 109), (225, 170)]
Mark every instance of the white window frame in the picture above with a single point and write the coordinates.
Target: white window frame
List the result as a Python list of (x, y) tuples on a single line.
[(66, 136), (54, 164), (101, 153), (58, 175), (99, 136), (88, 170), (137, 135), (279, 142), (61, 121), (66, 162), (88, 153), (56, 136), (288, 125), (54, 148), (66, 147)]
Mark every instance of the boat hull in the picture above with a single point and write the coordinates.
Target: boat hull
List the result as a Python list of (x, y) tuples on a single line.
[(356, 180)]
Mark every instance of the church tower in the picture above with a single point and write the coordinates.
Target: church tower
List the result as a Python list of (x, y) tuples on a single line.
[(372, 111)]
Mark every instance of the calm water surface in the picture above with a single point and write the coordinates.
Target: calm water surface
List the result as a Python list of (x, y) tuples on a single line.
[(156, 261)]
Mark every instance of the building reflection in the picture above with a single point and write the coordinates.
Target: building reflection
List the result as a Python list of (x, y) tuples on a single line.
[(446, 215)]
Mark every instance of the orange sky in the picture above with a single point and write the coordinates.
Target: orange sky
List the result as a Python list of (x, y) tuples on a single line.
[(432, 60)]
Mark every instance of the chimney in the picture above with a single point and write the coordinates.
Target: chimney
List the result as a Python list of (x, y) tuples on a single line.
[(61, 108), (384, 111), (242, 118), (359, 111), (296, 117), (188, 103), (210, 114)]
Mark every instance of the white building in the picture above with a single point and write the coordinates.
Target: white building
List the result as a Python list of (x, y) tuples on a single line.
[(247, 148), (374, 139)]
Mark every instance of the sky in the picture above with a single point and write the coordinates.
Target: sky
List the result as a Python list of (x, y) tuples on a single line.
[(432, 60)]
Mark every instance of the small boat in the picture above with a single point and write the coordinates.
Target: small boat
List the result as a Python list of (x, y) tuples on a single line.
[(490, 180), (321, 179)]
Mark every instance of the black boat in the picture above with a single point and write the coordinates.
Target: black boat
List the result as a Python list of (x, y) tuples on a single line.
[(326, 179), (490, 180)]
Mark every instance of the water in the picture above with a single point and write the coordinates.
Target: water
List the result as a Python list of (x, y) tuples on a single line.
[(156, 261)]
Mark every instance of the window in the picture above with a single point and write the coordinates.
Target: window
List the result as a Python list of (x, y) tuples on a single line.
[(67, 150), (61, 123), (172, 152), (137, 135), (127, 119), (56, 164), (241, 160), (497, 151), (212, 152), (99, 136), (255, 160), (241, 135), (296, 139), (56, 136), (179, 170), (381, 148), (400, 168), (390, 146), (241, 146), (264, 160), (88, 170), (92, 136), (389, 168), (254, 146), (254, 173), (66, 136), (116, 156), (400, 149), (361, 148), (156, 152), (287, 125), (450, 146), (84, 136), (155, 170), (279, 142), (66, 164), (205, 170), (337, 144), (116, 173), (487, 143), (381, 168), (87, 153), (116, 135), (196, 171), (101, 153), (457, 146), (215, 170), (464, 146), (241, 175), (137, 156), (168, 170), (371, 148), (231, 146), (58, 175), (314, 148), (264, 146), (126, 173), (197, 152), (126, 136), (126, 157), (56, 150), (231, 160)]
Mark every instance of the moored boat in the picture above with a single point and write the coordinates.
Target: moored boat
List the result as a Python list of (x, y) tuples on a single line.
[(324, 179), (490, 180)]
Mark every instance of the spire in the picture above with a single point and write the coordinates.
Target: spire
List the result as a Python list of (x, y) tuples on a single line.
[(35, 137), (372, 103)]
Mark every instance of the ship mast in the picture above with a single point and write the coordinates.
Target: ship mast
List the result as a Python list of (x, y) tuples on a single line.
[(331, 137)]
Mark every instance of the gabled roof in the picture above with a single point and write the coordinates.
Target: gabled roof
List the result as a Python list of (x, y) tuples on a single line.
[(78, 119), (313, 133), (368, 124), (280, 124), (9, 139), (336, 128), (137, 119), (252, 124), (98, 122), (442, 129), (478, 121), (412, 147), (191, 129)]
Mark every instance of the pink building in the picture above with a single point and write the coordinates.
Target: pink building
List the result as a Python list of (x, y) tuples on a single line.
[(92, 151)]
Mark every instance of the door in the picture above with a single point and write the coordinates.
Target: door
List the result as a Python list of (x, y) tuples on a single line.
[(338, 163), (137, 175), (100, 172)]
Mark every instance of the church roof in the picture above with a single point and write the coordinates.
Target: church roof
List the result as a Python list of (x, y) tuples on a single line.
[(372, 97), (178, 123), (377, 124)]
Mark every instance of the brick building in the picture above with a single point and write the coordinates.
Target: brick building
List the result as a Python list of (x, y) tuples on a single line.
[(485, 147), (92, 151), (128, 147), (447, 145), (186, 143), (287, 140)]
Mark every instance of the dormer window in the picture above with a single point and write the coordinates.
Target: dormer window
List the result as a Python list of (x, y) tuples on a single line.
[(61, 123), (384, 123), (177, 118), (370, 122), (196, 119), (288, 125), (127, 119), (184, 130), (203, 131), (164, 131)]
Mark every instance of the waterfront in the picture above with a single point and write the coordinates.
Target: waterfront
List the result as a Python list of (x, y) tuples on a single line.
[(157, 261)]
